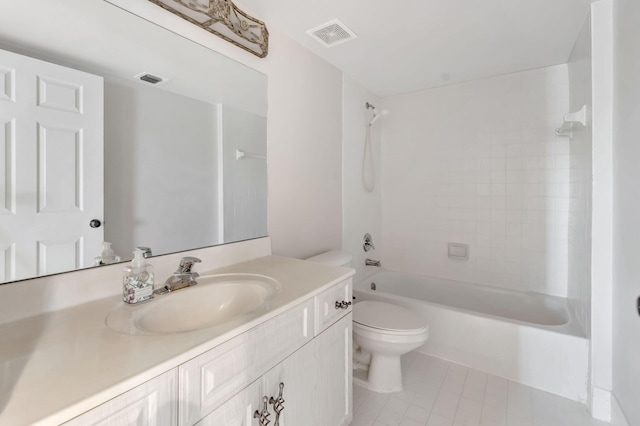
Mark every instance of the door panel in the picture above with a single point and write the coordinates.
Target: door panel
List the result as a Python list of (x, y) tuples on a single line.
[(7, 166), (59, 256), (51, 158), (60, 170), (60, 95)]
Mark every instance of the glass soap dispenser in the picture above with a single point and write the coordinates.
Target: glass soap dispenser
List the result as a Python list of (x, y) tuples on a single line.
[(137, 282)]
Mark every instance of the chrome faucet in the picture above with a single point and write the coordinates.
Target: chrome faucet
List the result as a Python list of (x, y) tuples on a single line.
[(183, 277), (371, 262)]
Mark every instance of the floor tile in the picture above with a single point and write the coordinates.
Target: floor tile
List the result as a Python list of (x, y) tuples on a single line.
[(436, 420), (440, 393), (417, 414)]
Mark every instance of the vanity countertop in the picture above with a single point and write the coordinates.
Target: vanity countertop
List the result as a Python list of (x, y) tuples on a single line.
[(58, 365)]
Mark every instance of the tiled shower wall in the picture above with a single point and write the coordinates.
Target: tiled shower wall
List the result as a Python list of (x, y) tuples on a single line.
[(479, 163)]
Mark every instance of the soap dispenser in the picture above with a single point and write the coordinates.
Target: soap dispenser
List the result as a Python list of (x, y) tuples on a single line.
[(107, 256), (137, 282)]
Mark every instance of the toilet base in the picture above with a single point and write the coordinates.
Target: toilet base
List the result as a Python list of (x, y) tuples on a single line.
[(384, 375)]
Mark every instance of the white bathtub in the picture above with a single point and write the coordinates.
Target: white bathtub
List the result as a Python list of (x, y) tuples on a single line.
[(526, 337)]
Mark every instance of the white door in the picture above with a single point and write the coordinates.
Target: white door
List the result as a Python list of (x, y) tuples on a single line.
[(51, 167)]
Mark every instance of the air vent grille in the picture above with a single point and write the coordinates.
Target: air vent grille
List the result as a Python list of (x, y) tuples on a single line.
[(150, 78), (332, 33)]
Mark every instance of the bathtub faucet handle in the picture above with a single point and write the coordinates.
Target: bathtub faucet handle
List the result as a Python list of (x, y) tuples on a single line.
[(368, 242), (371, 262)]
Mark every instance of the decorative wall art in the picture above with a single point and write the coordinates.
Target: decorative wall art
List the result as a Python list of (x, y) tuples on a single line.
[(224, 19)]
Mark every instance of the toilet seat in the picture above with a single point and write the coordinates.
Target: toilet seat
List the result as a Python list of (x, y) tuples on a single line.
[(387, 318)]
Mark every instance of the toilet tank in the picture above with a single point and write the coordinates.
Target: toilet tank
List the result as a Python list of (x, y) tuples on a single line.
[(332, 258)]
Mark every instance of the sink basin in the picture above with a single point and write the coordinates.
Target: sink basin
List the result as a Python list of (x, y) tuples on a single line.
[(216, 300)]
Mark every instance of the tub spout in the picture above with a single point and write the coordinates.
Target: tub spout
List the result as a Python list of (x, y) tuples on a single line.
[(371, 262)]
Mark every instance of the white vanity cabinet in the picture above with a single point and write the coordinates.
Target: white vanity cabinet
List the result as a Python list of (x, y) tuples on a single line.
[(316, 377), (210, 379), (151, 403), (304, 352)]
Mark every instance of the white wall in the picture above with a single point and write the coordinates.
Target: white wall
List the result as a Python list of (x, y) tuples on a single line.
[(626, 203), (305, 143), (151, 138), (602, 220), (245, 180), (479, 163), (580, 177), (360, 209)]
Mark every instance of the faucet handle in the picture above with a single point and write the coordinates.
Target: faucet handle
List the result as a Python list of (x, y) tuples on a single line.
[(186, 263), (368, 242)]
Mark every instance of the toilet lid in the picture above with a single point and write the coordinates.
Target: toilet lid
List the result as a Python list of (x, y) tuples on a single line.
[(385, 316)]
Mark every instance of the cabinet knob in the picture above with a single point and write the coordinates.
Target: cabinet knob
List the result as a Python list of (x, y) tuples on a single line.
[(342, 305), (263, 416)]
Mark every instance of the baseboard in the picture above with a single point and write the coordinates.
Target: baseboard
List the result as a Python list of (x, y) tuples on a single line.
[(601, 404), (617, 415)]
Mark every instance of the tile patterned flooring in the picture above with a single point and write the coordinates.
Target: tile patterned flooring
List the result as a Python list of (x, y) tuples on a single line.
[(441, 393)]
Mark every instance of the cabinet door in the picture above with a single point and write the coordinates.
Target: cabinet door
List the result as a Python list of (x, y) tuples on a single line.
[(298, 374), (151, 404), (238, 411), (333, 352)]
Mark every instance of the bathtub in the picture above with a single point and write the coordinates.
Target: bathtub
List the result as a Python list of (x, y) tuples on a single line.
[(530, 338)]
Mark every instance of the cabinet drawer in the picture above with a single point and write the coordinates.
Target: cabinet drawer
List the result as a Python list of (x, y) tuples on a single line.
[(210, 379), (326, 310)]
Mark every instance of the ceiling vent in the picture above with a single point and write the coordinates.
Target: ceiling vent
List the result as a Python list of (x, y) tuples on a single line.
[(332, 33)]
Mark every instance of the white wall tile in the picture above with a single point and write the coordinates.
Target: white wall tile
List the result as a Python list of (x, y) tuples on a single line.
[(499, 173)]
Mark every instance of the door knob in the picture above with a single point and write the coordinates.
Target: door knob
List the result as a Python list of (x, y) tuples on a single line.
[(95, 223)]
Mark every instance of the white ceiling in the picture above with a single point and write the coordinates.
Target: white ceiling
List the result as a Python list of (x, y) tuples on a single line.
[(410, 45)]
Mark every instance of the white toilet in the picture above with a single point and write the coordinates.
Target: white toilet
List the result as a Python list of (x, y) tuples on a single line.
[(382, 333), (385, 332)]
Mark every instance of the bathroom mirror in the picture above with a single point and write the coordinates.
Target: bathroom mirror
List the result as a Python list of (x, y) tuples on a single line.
[(184, 159)]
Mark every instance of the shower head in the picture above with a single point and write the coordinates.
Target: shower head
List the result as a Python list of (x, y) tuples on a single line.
[(375, 117)]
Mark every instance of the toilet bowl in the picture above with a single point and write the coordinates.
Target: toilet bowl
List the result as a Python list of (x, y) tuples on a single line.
[(385, 332)]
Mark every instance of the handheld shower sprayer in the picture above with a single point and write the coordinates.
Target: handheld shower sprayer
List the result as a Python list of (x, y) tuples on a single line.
[(375, 113)]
